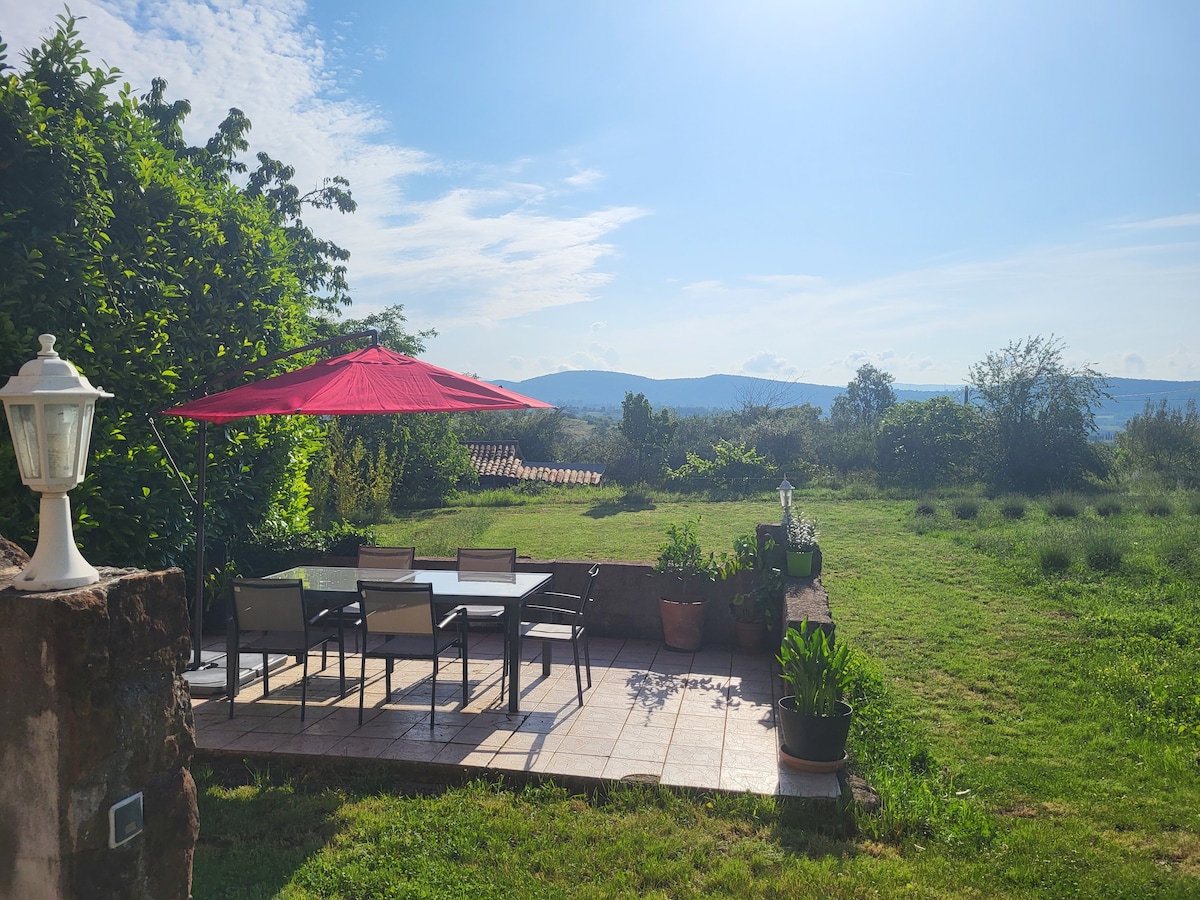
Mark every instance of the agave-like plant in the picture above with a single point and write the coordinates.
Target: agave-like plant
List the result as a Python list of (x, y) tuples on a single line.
[(817, 671)]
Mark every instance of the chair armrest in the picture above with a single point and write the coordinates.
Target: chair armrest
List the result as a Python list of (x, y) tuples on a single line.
[(458, 616)]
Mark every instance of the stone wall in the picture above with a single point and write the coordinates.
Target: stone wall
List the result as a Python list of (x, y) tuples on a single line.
[(93, 710)]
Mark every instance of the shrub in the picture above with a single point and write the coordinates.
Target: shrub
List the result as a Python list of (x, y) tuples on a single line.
[(966, 509), (1108, 508), (1063, 506), (1103, 551), (1157, 506), (1012, 508), (1194, 508), (1053, 556), (925, 509)]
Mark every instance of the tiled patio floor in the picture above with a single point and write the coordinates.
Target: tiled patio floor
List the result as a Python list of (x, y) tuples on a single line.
[(703, 720)]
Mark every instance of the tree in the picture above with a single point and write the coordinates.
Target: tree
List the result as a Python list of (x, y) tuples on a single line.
[(926, 443), (647, 435), (156, 273), (855, 418), (1039, 416), (868, 396), (1163, 442)]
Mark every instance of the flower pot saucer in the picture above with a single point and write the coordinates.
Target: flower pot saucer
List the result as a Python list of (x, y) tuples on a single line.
[(810, 765)]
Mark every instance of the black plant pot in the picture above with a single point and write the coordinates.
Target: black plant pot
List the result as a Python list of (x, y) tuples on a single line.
[(814, 738)]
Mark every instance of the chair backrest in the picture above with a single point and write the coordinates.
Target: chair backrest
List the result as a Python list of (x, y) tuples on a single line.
[(269, 604), (475, 559), (390, 607), (386, 557), (586, 595)]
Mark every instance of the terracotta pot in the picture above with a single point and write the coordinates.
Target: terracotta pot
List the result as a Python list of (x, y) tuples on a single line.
[(683, 623), (750, 636)]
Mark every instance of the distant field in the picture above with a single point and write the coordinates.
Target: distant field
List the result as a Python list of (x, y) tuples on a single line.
[(1028, 706)]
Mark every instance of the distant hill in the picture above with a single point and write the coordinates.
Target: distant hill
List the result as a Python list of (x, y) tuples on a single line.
[(583, 391)]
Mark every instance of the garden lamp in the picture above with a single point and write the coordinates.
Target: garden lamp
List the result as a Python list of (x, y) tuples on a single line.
[(785, 495), (49, 407)]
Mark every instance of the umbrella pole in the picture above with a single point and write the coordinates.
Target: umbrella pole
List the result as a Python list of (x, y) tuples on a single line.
[(198, 612)]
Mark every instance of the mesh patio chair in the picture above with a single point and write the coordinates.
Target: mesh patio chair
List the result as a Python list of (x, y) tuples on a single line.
[(376, 558), (482, 618), (270, 616), (399, 621), (386, 557), (554, 617)]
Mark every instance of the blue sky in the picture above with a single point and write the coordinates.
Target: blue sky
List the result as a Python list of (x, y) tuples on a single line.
[(672, 189)]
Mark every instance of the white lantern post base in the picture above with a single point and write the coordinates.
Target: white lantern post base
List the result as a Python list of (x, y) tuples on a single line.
[(57, 563)]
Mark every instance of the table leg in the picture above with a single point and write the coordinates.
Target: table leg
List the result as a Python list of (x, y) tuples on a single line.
[(513, 616)]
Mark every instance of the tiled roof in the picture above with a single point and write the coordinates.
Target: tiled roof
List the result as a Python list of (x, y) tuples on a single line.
[(503, 459)]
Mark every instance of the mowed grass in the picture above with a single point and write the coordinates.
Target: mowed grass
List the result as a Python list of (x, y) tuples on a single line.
[(1030, 733)]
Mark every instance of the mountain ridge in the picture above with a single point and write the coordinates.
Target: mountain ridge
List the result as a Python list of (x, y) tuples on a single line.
[(594, 390)]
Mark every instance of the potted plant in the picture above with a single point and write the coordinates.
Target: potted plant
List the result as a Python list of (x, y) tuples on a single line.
[(754, 609), (814, 720), (801, 535), (681, 557)]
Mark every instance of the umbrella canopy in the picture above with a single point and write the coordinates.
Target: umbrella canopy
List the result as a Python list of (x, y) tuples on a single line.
[(371, 380)]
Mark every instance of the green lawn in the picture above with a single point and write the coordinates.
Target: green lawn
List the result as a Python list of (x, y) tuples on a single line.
[(1027, 704)]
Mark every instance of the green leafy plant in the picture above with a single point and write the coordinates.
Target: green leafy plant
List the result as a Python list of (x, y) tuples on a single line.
[(817, 671), (682, 557), (761, 602)]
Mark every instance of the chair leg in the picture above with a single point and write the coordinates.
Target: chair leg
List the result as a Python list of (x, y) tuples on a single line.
[(578, 680), (587, 656)]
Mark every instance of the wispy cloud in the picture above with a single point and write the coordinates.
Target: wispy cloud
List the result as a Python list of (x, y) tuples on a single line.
[(1188, 220), (483, 251)]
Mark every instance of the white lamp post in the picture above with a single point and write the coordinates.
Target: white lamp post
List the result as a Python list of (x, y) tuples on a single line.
[(785, 496), (49, 407)]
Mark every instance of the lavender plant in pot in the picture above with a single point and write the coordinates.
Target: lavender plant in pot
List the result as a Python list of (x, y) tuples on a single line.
[(801, 535)]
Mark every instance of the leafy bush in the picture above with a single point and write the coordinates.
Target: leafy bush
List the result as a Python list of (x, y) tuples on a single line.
[(1110, 507)]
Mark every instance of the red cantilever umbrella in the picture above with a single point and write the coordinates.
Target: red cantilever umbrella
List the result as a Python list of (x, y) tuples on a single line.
[(371, 380)]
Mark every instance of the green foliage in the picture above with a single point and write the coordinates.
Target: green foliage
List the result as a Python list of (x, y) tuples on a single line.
[(733, 465), (817, 671), (1039, 415), (764, 599), (158, 274), (927, 443), (647, 435), (1163, 442), (680, 556)]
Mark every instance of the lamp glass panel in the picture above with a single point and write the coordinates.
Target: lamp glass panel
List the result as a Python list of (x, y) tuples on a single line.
[(22, 417), (62, 439)]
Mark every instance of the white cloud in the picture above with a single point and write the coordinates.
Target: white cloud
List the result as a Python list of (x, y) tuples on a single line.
[(766, 364), (483, 251)]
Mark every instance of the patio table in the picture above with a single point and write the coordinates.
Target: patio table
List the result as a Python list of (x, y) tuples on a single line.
[(334, 587)]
